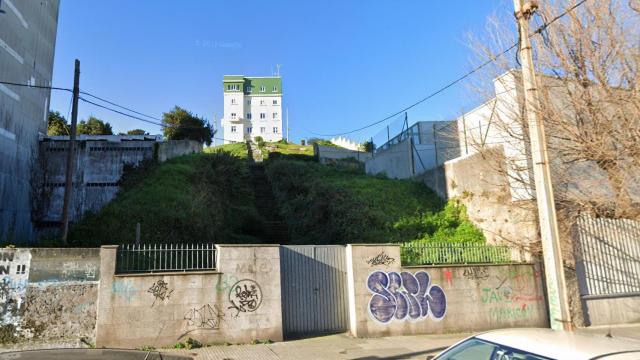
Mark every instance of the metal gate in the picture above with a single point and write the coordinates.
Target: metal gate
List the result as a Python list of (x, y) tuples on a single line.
[(314, 290)]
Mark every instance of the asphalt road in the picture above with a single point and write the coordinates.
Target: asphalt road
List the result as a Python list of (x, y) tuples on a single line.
[(90, 354)]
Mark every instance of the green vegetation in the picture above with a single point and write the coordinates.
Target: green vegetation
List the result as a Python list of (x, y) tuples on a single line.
[(328, 205), (280, 148), (238, 150), (193, 198), (181, 124), (189, 344)]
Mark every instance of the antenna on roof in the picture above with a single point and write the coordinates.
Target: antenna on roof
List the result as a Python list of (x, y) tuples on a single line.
[(277, 69)]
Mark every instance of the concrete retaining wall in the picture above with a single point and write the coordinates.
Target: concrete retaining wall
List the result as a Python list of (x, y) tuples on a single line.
[(238, 303), (395, 162), (388, 299), (173, 148), (327, 153), (48, 294)]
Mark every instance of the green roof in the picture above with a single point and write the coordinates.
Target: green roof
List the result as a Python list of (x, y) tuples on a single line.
[(272, 85)]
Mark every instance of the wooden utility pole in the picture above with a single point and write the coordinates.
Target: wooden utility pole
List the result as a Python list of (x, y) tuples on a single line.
[(557, 303), (70, 155)]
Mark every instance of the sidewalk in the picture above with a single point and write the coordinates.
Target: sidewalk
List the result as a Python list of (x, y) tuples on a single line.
[(330, 347)]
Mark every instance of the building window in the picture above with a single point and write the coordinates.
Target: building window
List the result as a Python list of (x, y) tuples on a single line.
[(249, 102), (263, 88), (249, 116), (275, 102), (262, 130), (249, 89), (249, 130), (233, 129), (275, 129), (263, 116), (261, 102), (233, 101), (275, 115), (275, 88), (233, 115)]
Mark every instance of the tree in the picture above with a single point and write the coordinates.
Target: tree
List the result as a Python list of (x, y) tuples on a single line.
[(137, 132), (181, 124), (94, 126), (588, 65), (367, 146), (57, 125)]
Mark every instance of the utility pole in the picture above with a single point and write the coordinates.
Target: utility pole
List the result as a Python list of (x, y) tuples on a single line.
[(70, 154), (559, 315), (287, 124)]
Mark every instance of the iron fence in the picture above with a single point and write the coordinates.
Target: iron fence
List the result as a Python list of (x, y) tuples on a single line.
[(455, 253), (608, 256), (152, 258)]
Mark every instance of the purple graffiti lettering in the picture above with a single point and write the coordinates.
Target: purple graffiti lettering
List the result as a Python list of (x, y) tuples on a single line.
[(405, 295), (383, 304)]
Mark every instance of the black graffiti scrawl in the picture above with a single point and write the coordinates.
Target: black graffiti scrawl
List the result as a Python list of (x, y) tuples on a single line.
[(245, 296), (160, 291)]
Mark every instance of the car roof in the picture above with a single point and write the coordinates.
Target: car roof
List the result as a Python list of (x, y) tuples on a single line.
[(560, 344)]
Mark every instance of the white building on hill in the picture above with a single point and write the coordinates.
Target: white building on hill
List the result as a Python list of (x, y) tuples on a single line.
[(252, 107)]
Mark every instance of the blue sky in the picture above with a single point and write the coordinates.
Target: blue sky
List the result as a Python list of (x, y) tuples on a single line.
[(344, 63)]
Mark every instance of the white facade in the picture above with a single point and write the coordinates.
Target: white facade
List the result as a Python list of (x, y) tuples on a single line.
[(252, 107)]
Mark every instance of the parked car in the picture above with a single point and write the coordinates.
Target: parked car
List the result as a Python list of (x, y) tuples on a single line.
[(540, 344)]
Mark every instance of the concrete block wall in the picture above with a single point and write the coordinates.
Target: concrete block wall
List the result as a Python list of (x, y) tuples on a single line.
[(239, 302), (173, 148), (395, 162), (387, 299)]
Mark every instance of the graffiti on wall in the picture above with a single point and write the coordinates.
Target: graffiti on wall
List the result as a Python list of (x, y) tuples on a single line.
[(206, 317), (14, 275), (123, 289), (405, 296), (381, 259), (160, 291), (74, 270), (245, 296), (512, 295), (476, 273)]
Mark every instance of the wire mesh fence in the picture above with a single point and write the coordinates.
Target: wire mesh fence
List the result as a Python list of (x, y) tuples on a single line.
[(455, 253), (152, 258)]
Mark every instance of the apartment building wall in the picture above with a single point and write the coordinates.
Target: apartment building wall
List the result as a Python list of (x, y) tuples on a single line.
[(27, 43)]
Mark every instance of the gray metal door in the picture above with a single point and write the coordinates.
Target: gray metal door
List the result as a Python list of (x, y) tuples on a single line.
[(314, 290)]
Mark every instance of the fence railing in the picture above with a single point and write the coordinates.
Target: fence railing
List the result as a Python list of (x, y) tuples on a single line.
[(151, 258), (455, 253), (608, 251)]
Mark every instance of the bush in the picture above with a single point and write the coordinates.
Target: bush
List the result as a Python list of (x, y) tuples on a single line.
[(327, 205)]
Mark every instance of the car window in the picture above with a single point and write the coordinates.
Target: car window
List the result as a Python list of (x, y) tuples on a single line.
[(475, 349), (472, 349)]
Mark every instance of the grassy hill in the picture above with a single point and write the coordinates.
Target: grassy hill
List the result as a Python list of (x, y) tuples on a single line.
[(331, 205), (204, 197), (209, 197)]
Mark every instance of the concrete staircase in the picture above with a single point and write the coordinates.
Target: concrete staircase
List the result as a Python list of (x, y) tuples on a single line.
[(276, 230)]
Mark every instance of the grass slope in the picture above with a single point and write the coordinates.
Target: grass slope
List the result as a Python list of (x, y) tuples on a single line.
[(332, 205), (195, 198)]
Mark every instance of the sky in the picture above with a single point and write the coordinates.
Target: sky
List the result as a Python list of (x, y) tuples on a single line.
[(344, 64)]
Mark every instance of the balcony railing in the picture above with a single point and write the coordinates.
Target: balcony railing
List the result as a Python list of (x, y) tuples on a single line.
[(153, 258)]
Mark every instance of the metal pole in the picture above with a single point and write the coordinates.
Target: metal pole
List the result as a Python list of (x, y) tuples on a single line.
[(464, 128), (559, 315), (435, 144), (70, 154), (287, 124)]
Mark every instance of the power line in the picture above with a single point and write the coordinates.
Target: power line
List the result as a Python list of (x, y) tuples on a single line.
[(120, 106), (456, 81), (35, 86)]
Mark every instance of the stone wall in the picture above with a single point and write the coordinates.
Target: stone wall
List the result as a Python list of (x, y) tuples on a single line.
[(48, 295), (387, 299), (239, 302)]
